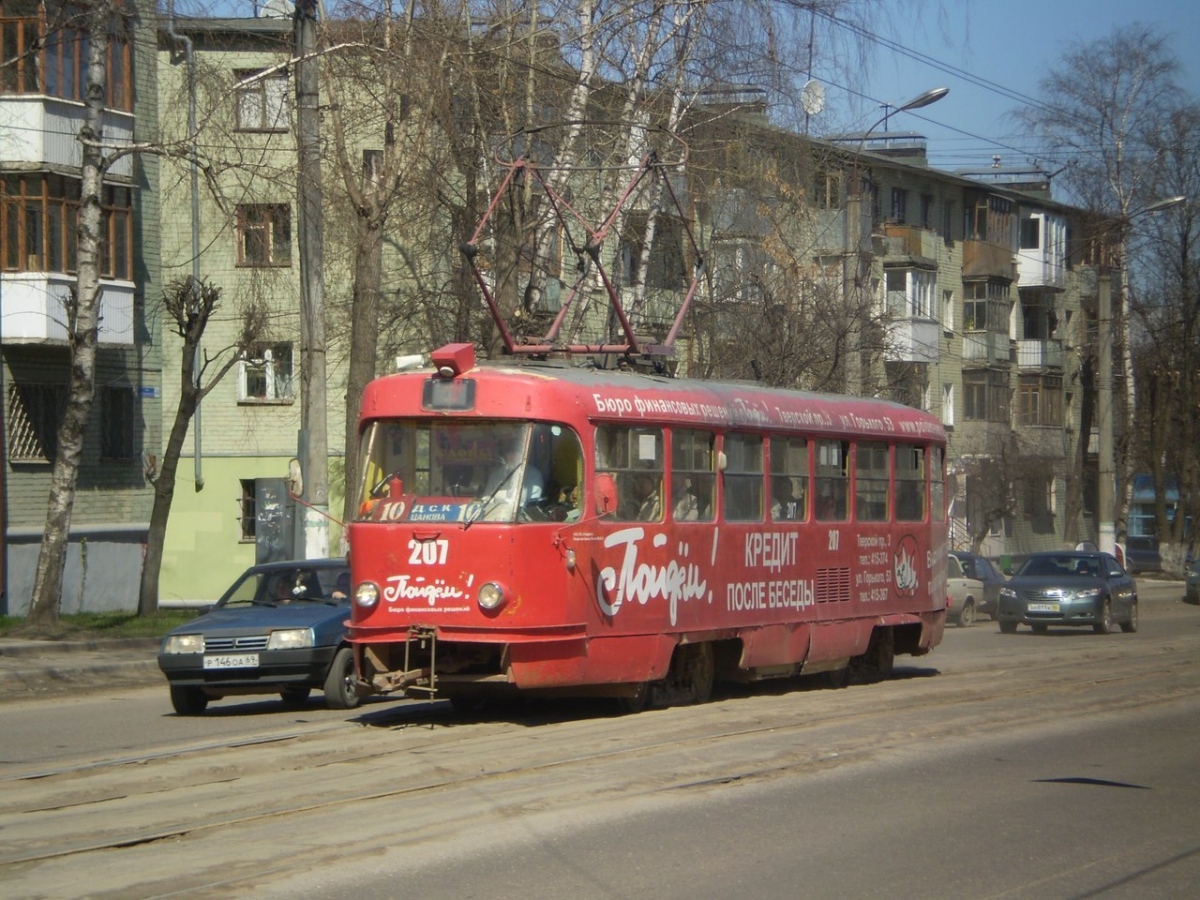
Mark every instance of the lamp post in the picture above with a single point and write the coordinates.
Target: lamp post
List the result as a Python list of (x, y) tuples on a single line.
[(853, 233), (1106, 537)]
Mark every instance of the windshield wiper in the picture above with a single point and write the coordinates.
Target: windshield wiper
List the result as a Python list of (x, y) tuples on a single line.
[(486, 502)]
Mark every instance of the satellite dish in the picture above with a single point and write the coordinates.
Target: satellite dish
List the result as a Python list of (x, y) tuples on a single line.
[(812, 97)]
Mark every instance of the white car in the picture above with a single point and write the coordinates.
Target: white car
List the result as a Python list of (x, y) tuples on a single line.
[(963, 594)]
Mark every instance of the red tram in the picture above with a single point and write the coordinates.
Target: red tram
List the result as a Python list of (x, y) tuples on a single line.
[(551, 529)]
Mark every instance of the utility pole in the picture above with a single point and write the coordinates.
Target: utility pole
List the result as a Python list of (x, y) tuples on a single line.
[(313, 539), (1106, 481)]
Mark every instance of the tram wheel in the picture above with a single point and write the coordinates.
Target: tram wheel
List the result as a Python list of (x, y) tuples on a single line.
[(638, 701), (702, 672), (877, 663)]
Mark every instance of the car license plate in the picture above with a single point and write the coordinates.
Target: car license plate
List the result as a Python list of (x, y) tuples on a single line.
[(232, 661), (1043, 607)]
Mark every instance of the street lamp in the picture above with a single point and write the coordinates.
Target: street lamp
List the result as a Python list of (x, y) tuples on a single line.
[(1106, 481)]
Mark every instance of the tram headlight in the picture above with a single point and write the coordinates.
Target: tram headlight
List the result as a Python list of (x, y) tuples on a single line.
[(366, 595), (491, 596)]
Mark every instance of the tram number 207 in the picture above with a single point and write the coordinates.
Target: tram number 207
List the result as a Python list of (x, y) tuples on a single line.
[(428, 553)]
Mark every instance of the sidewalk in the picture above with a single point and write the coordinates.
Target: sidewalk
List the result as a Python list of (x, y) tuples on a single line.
[(41, 668)]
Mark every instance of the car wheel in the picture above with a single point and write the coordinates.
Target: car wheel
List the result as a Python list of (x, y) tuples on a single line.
[(1007, 627), (1104, 624), (966, 616), (294, 697), (188, 701), (1132, 625), (340, 690)]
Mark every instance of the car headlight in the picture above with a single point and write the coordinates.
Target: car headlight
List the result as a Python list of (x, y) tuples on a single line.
[(183, 643), (1008, 593), (491, 596), (290, 639), (1088, 593), (366, 595)]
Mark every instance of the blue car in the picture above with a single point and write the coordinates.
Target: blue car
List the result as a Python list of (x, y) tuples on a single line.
[(280, 629), (1070, 588)]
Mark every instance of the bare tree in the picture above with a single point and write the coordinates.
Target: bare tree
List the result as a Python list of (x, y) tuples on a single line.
[(98, 19)]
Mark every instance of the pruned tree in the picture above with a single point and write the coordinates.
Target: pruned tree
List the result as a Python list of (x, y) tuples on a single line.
[(190, 306)]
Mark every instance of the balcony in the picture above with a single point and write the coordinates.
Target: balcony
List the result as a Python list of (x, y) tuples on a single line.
[(43, 131), (910, 244), (983, 259), (912, 340), (1041, 268), (1040, 354), (33, 309), (986, 348)]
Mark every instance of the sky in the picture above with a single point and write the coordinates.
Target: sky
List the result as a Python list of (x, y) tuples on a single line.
[(1008, 46)]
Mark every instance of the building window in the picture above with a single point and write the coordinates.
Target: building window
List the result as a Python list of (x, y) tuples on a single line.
[(265, 375), (35, 412), (264, 234), (948, 310), (827, 189), (1041, 400), (117, 409), (665, 268), (985, 395), (947, 221), (948, 405), (927, 211), (39, 214), (910, 293), (48, 56), (985, 306), (261, 100), (249, 509), (899, 205), (1031, 234)]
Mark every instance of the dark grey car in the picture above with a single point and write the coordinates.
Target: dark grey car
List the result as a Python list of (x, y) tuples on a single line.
[(981, 569), (1070, 588), (280, 629)]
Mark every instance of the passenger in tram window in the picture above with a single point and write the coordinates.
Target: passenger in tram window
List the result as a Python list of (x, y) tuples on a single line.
[(784, 505), (685, 507), (641, 503)]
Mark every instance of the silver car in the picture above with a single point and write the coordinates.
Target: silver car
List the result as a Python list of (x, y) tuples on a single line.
[(1069, 588)]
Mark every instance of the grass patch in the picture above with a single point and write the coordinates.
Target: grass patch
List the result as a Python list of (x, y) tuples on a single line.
[(97, 625)]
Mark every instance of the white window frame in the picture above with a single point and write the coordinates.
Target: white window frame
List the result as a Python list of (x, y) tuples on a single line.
[(278, 374), (261, 101)]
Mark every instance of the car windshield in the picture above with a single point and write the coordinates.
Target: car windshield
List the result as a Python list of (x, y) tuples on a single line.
[(1061, 566), (274, 587), (469, 471)]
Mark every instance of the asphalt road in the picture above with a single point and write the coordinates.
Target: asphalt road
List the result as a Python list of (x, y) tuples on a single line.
[(1017, 766)]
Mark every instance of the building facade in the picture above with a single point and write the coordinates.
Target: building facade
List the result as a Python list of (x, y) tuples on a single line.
[(41, 111)]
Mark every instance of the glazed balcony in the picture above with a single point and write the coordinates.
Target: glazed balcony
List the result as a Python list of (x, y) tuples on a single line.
[(984, 259)]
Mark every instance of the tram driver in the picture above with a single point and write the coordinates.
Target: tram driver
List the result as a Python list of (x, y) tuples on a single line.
[(504, 477)]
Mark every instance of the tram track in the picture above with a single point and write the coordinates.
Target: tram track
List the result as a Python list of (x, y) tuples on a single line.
[(48, 820)]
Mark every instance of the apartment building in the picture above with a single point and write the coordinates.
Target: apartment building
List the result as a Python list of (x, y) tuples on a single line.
[(41, 110)]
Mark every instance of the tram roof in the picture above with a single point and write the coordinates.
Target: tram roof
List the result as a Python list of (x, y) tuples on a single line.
[(613, 394)]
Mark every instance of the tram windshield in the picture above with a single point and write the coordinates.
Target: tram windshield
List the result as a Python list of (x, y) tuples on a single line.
[(422, 470)]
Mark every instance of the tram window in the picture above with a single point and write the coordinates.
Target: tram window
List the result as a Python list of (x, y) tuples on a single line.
[(910, 483), (692, 480), (634, 456), (833, 481), (789, 479), (871, 482), (743, 477), (937, 492)]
